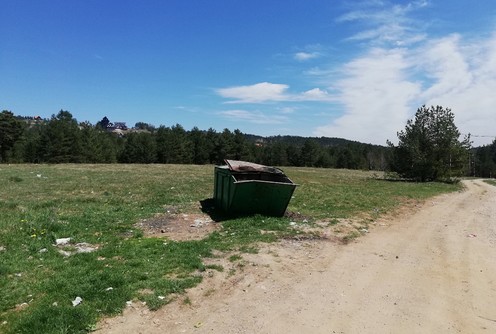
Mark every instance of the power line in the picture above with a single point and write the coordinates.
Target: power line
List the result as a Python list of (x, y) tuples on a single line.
[(478, 136)]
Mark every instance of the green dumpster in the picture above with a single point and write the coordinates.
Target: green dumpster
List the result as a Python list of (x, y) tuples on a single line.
[(246, 188)]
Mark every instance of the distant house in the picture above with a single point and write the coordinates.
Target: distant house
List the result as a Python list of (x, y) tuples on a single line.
[(120, 126)]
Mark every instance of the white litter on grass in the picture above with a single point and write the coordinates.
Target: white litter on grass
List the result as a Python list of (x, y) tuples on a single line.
[(200, 223), (84, 247), (62, 241), (64, 253), (129, 303), (109, 289), (81, 247), (161, 297), (43, 250), (77, 301)]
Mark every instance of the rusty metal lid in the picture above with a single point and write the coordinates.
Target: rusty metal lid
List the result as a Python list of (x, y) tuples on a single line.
[(245, 166)]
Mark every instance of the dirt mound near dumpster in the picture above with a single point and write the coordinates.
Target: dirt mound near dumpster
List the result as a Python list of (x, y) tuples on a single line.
[(178, 226)]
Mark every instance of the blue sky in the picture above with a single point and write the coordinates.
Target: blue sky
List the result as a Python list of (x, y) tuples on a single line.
[(351, 69)]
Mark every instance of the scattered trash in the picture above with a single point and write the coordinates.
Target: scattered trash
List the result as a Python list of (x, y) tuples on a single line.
[(292, 223), (109, 289), (129, 303), (199, 223), (38, 175), (84, 247), (364, 230), (64, 253), (43, 250), (77, 301), (81, 247), (62, 241), (55, 304), (472, 235), (161, 297), (21, 306), (2, 248), (17, 274), (5, 322), (198, 324)]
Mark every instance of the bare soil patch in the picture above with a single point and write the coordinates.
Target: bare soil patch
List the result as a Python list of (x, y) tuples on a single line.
[(178, 226)]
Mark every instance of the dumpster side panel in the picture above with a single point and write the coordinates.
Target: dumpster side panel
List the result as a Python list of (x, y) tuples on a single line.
[(250, 196), (261, 197), (223, 188)]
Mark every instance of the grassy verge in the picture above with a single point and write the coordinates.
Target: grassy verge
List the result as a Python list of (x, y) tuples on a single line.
[(99, 204), (491, 182)]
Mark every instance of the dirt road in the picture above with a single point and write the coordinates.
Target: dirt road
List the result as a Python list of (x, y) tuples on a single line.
[(430, 271)]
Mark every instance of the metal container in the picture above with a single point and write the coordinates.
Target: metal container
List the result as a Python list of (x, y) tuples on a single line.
[(246, 188)]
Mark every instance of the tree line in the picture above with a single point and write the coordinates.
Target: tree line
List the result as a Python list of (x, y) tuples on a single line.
[(62, 139), (428, 148)]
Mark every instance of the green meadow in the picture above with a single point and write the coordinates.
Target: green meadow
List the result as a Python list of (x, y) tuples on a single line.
[(99, 205)]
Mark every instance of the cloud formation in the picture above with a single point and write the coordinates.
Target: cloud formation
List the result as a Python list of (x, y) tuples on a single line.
[(257, 93), (304, 56), (376, 97), (400, 66), (269, 92), (382, 88), (386, 23)]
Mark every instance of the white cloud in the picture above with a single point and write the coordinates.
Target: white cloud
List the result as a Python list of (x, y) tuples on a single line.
[(464, 79), (255, 117), (401, 69), (257, 93), (315, 94), (381, 89), (269, 92), (304, 56), (386, 23), (376, 97)]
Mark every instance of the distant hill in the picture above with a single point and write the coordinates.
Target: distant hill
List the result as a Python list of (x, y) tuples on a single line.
[(300, 141)]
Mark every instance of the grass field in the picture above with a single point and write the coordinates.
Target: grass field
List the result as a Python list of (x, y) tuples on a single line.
[(100, 205)]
